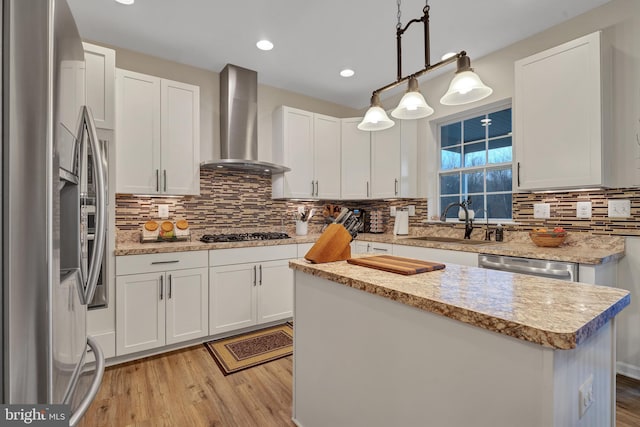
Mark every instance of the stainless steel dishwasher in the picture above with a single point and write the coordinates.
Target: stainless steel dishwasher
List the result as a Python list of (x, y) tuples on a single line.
[(535, 267)]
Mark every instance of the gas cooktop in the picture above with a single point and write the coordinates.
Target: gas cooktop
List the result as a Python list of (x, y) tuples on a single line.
[(242, 237)]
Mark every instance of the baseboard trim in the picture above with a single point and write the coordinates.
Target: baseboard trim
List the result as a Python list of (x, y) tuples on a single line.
[(628, 370)]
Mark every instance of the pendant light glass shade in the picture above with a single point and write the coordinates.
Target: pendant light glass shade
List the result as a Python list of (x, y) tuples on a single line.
[(465, 87), (412, 105), (375, 118)]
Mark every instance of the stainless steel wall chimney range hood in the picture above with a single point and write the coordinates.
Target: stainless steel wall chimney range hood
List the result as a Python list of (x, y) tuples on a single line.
[(239, 123)]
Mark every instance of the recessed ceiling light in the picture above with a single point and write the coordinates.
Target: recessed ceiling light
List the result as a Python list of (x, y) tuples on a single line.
[(448, 55), (127, 2), (264, 45), (347, 72)]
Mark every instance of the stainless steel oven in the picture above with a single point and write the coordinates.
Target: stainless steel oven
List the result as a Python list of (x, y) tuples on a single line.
[(100, 299)]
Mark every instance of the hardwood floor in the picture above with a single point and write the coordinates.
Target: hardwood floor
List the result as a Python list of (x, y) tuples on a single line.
[(186, 388), (627, 402)]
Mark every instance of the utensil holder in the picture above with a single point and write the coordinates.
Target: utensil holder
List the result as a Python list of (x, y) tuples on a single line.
[(302, 228)]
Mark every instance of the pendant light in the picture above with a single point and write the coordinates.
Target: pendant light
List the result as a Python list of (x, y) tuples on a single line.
[(466, 86), (412, 105), (375, 118)]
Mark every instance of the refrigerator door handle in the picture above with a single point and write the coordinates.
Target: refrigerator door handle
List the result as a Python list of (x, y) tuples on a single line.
[(101, 210), (95, 384)]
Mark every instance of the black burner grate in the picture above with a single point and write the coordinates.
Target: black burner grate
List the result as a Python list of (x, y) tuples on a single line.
[(242, 237)]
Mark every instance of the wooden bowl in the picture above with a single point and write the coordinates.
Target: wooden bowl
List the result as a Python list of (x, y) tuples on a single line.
[(547, 239)]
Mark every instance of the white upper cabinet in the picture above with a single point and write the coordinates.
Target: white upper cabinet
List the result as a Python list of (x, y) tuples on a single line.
[(385, 163), (309, 144), (356, 161), (100, 84), (157, 135), (560, 108)]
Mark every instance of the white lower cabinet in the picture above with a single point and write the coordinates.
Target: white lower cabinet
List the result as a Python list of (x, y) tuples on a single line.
[(438, 255), (161, 299), (249, 286), (360, 247)]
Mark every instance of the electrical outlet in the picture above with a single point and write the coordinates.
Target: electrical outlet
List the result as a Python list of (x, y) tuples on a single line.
[(412, 210), (619, 208), (583, 210), (585, 395), (541, 210), (163, 211), (392, 211)]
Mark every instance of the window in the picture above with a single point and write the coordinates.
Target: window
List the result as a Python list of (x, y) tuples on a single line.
[(476, 161)]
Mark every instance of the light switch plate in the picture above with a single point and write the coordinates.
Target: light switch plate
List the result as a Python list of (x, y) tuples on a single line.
[(412, 210), (583, 209), (541, 210), (392, 210), (163, 211), (619, 208)]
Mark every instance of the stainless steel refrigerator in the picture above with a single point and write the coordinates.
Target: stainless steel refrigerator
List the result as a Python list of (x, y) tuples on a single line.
[(46, 281)]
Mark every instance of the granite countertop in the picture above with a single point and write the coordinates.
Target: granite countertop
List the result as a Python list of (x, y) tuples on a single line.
[(581, 248), (549, 312), (133, 247)]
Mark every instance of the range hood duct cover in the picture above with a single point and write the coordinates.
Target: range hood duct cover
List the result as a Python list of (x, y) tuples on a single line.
[(239, 123)]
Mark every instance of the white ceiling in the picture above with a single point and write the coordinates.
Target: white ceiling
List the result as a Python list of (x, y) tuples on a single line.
[(314, 40)]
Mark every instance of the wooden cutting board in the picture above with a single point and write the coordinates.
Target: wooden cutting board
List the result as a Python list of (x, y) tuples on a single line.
[(396, 264)]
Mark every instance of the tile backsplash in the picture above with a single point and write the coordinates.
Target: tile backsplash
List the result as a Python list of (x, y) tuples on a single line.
[(234, 201)]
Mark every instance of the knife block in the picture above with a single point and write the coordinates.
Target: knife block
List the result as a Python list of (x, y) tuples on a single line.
[(333, 245)]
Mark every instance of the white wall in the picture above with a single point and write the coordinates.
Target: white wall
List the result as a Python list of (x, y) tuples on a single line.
[(620, 19), (628, 338), (269, 98)]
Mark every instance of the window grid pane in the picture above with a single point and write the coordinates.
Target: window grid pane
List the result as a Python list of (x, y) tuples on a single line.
[(477, 155)]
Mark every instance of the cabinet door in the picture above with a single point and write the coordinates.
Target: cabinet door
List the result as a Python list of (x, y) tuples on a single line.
[(187, 305), (275, 291), (140, 317), (294, 141), (100, 84), (137, 133), (326, 155), (355, 161), (232, 297), (559, 150), (180, 138), (385, 163), (408, 158)]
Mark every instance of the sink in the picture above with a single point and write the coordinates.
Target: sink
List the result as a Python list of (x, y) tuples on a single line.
[(452, 240)]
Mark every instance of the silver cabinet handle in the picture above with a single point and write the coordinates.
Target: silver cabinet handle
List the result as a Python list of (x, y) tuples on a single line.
[(173, 261), (255, 275), (313, 188), (165, 180), (87, 123), (260, 274), (316, 188), (95, 384), (518, 174), (170, 283), (395, 186), (380, 250), (367, 188), (161, 287), (157, 179)]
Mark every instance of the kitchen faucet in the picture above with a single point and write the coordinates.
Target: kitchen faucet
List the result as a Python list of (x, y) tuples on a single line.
[(468, 223), (487, 233)]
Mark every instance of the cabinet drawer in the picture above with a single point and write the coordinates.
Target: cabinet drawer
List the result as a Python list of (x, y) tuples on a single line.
[(151, 263), (256, 254)]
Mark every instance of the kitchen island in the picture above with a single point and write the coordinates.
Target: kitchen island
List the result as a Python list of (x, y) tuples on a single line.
[(458, 347)]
